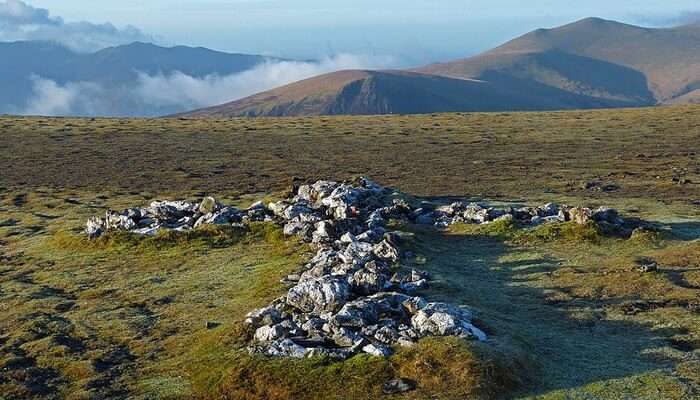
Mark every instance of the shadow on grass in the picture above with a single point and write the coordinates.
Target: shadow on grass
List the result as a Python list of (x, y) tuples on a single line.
[(570, 344)]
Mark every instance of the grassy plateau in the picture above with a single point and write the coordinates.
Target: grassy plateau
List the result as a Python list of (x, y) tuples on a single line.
[(567, 313)]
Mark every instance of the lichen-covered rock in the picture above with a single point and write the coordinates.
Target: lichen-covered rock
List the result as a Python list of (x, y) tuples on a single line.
[(209, 205), (386, 251), (318, 295), (269, 333), (580, 215), (440, 319), (377, 350)]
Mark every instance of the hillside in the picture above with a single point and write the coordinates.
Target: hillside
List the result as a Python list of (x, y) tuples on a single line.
[(402, 92), (592, 63), (577, 56)]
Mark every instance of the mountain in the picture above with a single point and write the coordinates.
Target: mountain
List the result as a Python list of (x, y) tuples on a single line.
[(400, 92), (112, 68), (577, 56), (592, 63)]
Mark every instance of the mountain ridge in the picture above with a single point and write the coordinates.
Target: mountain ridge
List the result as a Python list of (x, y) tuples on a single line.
[(590, 63)]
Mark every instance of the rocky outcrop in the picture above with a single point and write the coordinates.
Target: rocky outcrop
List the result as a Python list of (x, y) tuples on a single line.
[(352, 296)]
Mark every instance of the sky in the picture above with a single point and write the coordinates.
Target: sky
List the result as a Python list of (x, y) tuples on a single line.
[(413, 31)]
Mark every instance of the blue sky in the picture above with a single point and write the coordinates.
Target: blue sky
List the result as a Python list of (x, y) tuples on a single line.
[(415, 31)]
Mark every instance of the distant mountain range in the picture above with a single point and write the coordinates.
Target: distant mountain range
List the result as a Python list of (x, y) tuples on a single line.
[(114, 69), (592, 63)]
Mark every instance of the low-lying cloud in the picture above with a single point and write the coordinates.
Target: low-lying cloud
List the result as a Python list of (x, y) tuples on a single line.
[(21, 21), (176, 92)]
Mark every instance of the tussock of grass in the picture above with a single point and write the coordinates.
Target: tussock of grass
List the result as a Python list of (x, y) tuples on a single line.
[(211, 236), (444, 368), (565, 231), (458, 370)]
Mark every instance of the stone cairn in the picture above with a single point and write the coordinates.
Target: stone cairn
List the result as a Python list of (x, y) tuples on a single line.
[(351, 297)]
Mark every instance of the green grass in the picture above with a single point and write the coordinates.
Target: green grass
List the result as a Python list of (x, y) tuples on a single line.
[(567, 314)]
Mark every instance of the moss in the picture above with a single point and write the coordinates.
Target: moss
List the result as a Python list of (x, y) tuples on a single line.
[(564, 231)]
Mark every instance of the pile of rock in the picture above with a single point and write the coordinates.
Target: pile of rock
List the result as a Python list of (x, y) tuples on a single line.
[(352, 296), (173, 215), (349, 298)]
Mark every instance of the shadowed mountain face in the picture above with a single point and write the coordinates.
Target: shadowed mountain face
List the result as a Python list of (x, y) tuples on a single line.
[(592, 63), (399, 92), (669, 59), (113, 68)]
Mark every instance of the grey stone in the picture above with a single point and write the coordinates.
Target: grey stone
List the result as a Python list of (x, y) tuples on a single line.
[(386, 251), (269, 333), (377, 350), (209, 205), (320, 294), (396, 386)]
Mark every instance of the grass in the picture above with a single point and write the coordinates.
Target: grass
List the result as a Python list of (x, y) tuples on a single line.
[(567, 313), (493, 155)]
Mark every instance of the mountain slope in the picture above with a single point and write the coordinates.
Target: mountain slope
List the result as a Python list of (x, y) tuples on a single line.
[(669, 58), (592, 63), (401, 92)]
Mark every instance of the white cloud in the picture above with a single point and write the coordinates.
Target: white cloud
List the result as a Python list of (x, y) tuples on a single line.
[(21, 21), (178, 89), (176, 92), (74, 98)]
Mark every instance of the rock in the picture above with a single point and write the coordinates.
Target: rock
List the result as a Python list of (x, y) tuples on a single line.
[(278, 208), (285, 348), (377, 350), (170, 210), (223, 216), (418, 275), (318, 295), (356, 314), (296, 210), (371, 236), (367, 282), (348, 238), (412, 287), (646, 264), (211, 325), (296, 227), (94, 227), (387, 335), (335, 354), (474, 213), (440, 319), (342, 202), (609, 215), (580, 215), (258, 205), (345, 337), (386, 251), (147, 231), (324, 232), (342, 302), (269, 333), (357, 253), (548, 210), (209, 205), (375, 220), (265, 316), (396, 386), (427, 218)]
